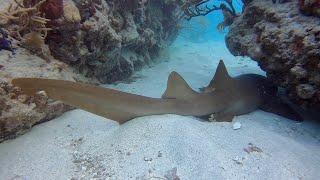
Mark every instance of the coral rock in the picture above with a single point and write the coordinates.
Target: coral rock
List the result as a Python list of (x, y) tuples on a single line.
[(305, 91), (53, 9), (299, 72), (41, 99), (285, 43), (109, 28), (19, 112), (71, 12), (310, 7)]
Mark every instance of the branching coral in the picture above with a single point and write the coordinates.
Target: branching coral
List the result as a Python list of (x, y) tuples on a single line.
[(24, 17), (195, 8), (29, 21)]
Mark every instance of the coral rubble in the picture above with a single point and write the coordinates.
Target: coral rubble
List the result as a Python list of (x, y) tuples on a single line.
[(285, 42)]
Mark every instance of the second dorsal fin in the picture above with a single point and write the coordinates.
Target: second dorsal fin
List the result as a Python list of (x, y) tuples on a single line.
[(177, 88), (221, 79)]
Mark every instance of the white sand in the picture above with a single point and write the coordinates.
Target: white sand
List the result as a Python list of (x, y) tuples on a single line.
[(82, 145)]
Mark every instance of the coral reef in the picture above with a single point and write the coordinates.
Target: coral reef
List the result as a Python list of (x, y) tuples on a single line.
[(23, 17), (113, 38), (25, 25), (105, 40), (285, 43), (25, 22)]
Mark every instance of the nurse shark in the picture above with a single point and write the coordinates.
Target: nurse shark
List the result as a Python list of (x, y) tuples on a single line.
[(224, 98)]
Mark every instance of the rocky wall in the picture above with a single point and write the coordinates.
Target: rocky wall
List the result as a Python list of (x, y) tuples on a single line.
[(285, 41), (114, 37)]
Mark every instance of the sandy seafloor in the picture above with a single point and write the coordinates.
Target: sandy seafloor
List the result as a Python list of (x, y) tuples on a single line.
[(82, 145)]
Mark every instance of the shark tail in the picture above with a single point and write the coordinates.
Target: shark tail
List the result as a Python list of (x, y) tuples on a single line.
[(95, 99)]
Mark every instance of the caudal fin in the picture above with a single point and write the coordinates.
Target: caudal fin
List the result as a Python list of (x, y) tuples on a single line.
[(94, 99)]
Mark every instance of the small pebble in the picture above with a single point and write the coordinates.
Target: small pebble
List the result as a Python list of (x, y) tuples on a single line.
[(147, 159), (236, 125)]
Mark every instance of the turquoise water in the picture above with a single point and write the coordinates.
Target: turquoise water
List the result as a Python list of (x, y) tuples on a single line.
[(204, 28)]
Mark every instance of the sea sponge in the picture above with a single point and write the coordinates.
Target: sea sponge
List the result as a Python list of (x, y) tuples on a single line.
[(34, 42), (71, 12), (53, 9)]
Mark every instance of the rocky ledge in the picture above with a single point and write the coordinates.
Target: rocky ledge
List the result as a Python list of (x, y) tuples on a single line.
[(114, 37), (284, 38)]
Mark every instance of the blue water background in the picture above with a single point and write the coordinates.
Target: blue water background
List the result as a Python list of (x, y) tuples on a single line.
[(204, 28)]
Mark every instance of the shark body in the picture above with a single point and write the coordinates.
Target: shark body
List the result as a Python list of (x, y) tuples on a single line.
[(225, 97)]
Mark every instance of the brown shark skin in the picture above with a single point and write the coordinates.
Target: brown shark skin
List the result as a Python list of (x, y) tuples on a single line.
[(117, 105), (225, 97)]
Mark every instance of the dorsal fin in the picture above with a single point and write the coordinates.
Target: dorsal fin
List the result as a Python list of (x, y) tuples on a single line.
[(221, 79), (177, 88)]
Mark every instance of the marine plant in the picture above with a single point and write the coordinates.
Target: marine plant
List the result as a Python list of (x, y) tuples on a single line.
[(195, 8)]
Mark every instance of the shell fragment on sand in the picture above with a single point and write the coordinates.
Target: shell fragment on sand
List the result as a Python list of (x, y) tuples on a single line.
[(236, 126)]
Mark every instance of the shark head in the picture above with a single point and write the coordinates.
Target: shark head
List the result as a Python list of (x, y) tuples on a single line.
[(271, 101), (258, 91)]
